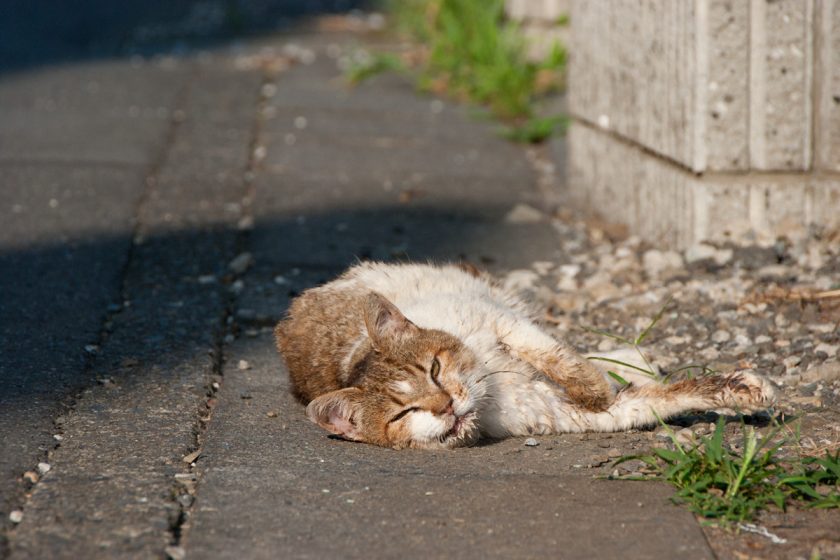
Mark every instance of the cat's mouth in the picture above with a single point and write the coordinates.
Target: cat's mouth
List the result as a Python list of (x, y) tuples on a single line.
[(460, 425)]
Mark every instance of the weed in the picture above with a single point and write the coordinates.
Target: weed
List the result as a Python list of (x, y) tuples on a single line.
[(813, 480), (535, 130), (721, 484), (636, 345), (363, 68), (471, 53), (728, 487)]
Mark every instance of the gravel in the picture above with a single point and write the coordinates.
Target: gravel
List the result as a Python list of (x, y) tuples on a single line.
[(771, 307)]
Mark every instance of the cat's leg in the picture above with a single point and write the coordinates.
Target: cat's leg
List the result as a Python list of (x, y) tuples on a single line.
[(585, 385), (639, 406)]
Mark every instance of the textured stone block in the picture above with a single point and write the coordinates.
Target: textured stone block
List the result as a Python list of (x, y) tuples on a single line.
[(726, 108), (827, 85), (780, 78), (668, 206), (634, 70), (710, 84), (548, 11)]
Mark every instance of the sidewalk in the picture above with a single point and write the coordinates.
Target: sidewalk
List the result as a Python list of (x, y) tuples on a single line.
[(197, 163)]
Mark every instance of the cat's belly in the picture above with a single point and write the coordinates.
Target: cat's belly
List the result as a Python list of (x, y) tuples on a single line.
[(515, 408), (521, 401)]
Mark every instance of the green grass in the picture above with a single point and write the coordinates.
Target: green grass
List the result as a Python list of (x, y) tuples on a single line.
[(471, 53), (536, 129), (368, 67), (729, 487), (634, 343)]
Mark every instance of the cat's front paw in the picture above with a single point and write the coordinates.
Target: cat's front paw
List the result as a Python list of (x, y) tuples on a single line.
[(746, 392)]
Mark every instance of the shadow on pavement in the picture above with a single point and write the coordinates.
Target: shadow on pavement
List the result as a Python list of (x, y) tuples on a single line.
[(178, 291), (38, 32)]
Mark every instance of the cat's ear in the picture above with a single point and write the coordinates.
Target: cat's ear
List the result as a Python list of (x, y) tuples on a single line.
[(338, 412), (385, 324)]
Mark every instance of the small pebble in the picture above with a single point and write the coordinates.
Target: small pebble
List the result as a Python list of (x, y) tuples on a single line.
[(245, 223), (16, 516), (268, 90), (237, 287), (791, 361), (186, 500), (191, 457), (598, 460), (241, 263), (175, 552), (243, 364), (720, 336), (44, 468), (531, 442)]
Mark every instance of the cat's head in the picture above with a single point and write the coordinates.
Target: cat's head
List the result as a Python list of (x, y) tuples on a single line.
[(410, 388)]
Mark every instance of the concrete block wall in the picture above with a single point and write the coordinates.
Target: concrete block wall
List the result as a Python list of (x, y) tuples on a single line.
[(705, 119), (540, 23), (827, 85)]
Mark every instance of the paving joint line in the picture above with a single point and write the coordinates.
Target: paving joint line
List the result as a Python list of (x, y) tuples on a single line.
[(69, 402), (179, 525)]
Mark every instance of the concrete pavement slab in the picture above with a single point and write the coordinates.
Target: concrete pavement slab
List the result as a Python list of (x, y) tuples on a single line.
[(63, 246), (272, 485), (104, 111), (110, 489)]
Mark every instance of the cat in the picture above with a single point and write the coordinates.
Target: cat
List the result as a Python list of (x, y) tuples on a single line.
[(439, 356)]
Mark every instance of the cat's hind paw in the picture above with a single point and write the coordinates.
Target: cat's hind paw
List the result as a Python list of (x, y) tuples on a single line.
[(746, 392)]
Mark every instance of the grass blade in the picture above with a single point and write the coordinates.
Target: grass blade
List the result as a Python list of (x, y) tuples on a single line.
[(621, 380)]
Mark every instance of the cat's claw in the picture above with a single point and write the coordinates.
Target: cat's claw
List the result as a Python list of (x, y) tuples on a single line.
[(746, 392)]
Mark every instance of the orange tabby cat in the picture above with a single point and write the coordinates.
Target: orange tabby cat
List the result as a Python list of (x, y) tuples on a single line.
[(427, 356)]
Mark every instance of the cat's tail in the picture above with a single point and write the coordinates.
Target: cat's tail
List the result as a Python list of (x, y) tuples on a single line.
[(639, 406)]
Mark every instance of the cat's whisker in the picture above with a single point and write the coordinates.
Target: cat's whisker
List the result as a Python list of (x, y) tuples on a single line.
[(486, 375)]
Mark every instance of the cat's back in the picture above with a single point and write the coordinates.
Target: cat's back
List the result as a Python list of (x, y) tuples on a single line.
[(412, 281), (320, 325), (450, 298)]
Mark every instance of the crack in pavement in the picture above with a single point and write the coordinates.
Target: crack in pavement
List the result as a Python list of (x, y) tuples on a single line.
[(111, 312), (225, 332)]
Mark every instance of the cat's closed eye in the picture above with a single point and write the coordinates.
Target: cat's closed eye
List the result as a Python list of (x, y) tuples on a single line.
[(435, 372), (403, 413)]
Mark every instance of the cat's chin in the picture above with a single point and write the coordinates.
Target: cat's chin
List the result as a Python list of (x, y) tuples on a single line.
[(463, 433)]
